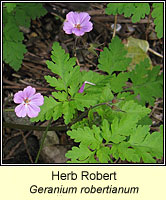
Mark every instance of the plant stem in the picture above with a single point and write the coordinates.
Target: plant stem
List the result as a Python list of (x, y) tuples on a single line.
[(42, 142), (32, 127), (9, 109), (155, 53), (115, 23), (86, 112)]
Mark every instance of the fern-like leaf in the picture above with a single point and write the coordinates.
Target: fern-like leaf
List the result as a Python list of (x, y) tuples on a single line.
[(67, 82), (15, 15), (136, 10), (157, 14), (146, 82), (114, 58)]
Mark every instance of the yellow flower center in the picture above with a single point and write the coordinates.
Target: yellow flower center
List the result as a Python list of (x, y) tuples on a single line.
[(26, 100), (78, 26)]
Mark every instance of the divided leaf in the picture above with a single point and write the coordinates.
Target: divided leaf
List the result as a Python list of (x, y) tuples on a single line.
[(68, 111), (86, 136), (15, 15), (146, 83), (114, 58), (141, 145), (81, 155), (141, 9), (63, 64), (137, 10), (122, 127), (125, 121), (157, 14), (119, 8), (90, 146), (69, 80), (13, 53), (118, 82), (128, 140), (25, 12), (10, 6), (103, 154)]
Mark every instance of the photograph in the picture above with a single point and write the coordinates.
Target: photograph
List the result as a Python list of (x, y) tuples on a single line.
[(82, 83)]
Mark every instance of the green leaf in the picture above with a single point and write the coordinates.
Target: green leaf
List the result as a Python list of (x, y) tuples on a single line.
[(74, 78), (103, 154), (157, 14), (106, 131), (137, 10), (119, 8), (82, 101), (10, 6), (134, 110), (145, 121), (68, 80), (90, 145), (15, 15), (123, 151), (68, 111), (61, 96), (114, 58), (62, 65), (13, 53), (128, 140), (80, 155), (54, 82), (86, 136), (25, 12), (147, 145), (141, 144), (58, 111), (141, 9), (11, 32), (106, 94), (117, 82), (137, 51), (146, 83), (122, 127)]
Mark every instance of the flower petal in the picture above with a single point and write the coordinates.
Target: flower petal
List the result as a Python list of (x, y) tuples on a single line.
[(72, 17), (19, 97), (67, 27), (29, 91), (32, 110), (87, 27), (36, 99), (84, 17), (82, 88), (78, 32), (77, 23), (21, 110)]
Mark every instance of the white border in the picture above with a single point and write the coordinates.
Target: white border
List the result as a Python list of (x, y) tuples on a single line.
[(83, 164)]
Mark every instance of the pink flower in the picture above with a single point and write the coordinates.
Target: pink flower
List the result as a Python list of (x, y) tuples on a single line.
[(29, 102), (77, 23), (83, 86)]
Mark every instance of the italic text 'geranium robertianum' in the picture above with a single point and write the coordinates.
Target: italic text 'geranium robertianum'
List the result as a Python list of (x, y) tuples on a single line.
[(77, 23), (29, 102)]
